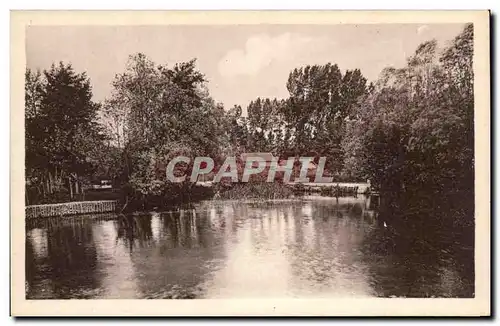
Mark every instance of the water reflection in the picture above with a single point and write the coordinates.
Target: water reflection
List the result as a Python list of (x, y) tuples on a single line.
[(316, 247), (61, 261)]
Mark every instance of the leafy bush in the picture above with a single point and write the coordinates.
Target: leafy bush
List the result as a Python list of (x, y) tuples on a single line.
[(267, 191)]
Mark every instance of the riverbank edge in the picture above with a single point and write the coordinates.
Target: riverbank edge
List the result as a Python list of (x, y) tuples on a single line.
[(70, 208), (107, 206)]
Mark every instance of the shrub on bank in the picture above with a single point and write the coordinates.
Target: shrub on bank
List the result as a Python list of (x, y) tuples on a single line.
[(133, 200), (264, 190)]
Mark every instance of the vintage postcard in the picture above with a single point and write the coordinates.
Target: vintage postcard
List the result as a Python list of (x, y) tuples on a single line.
[(250, 163)]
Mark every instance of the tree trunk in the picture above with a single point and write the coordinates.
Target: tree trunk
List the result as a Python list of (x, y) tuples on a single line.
[(42, 187), (48, 185), (51, 178), (76, 185), (70, 188)]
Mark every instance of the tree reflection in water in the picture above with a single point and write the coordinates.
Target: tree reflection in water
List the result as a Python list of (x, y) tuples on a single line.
[(418, 263), (65, 251), (315, 247)]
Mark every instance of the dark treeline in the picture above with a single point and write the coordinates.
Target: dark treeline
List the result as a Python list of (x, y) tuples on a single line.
[(312, 121), (411, 132)]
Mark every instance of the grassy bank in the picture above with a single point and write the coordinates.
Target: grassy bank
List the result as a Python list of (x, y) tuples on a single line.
[(64, 197), (264, 190), (132, 200)]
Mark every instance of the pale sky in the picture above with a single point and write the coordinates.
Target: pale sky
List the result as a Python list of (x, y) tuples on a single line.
[(241, 62)]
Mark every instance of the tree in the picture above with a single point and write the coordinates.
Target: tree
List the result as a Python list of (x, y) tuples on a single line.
[(163, 109), (321, 100), (238, 133), (414, 132), (61, 128)]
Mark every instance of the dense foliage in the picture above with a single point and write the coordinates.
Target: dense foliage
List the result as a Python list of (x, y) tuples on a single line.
[(157, 113), (411, 132), (310, 122), (63, 137), (413, 135)]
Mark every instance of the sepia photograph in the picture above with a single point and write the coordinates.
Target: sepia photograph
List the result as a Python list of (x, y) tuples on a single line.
[(338, 162)]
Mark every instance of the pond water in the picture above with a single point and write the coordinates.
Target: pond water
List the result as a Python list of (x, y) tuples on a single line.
[(314, 247)]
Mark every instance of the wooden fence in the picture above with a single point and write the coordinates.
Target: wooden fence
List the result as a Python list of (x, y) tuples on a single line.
[(71, 208)]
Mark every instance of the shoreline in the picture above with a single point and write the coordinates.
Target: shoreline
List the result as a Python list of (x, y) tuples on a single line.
[(76, 208)]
